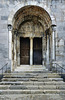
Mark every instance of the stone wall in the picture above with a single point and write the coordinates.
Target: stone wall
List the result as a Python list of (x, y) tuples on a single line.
[(57, 8)]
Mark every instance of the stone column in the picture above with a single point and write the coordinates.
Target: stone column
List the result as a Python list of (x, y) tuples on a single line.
[(18, 50), (10, 44), (47, 49), (53, 42), (44, 50), (15, 63), (57, 47), (56, 36), (31, 51)]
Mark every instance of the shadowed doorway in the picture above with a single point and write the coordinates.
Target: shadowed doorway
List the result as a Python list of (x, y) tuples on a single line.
[(37, 51), (24, 51)]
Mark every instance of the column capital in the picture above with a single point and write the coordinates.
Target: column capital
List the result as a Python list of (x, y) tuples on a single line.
[(53, 28), (9, 27), (31, 37)]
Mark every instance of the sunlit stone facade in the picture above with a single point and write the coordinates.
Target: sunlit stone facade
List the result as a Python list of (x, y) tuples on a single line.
[(32, 20)]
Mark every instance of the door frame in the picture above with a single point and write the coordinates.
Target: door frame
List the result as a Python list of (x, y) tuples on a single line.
[(31, 57)]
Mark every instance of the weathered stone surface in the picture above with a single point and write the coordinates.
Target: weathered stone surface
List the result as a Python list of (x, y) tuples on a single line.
[(55, 7), (50, 90), (4, 17)]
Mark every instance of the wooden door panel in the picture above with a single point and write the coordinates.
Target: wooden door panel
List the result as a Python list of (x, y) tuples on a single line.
[(24, 51), (24, 60), (37, 51)]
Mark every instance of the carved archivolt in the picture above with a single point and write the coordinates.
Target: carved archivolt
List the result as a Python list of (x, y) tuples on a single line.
[(33, 13)]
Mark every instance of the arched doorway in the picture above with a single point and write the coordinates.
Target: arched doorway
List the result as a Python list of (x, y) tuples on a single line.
[(31, 37)]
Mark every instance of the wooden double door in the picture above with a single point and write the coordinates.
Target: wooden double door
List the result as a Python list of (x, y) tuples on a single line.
[(25, 51)]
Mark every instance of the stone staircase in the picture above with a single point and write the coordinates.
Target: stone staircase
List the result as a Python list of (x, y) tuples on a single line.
[(32, 85), (30, 68)]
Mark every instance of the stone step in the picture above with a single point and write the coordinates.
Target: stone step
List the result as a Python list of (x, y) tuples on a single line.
[(32, 83), (41, 73), (34, 69), (30, 68), (32, 79), (37, 67), (2, 92), (32, 97), (32, 87), (32, 75)]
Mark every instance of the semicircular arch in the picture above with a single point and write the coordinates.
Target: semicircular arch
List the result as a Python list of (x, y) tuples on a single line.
[(17, 8)]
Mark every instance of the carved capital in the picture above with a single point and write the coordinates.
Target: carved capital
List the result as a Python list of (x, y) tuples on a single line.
[(53, 28), (31, 37), (9, 27)]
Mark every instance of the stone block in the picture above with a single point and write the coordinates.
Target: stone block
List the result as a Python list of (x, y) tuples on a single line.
[(61, 42), (64, 28), (3, 26), (1, 6), (4, 17)]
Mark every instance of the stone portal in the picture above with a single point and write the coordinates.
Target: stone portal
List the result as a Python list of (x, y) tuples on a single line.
[(31, 40)]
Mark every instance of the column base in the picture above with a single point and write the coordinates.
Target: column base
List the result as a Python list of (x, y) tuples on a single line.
[(48, 66)]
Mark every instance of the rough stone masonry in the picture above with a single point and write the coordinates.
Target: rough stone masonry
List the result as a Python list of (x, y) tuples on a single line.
[(55, 8)]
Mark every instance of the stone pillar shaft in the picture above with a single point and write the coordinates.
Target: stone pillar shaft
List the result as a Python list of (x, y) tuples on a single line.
[(47, 49), (18, 50), (14, 47), (53, 43), (31, 51), (10, 44), (15, 50), (44, 50)]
